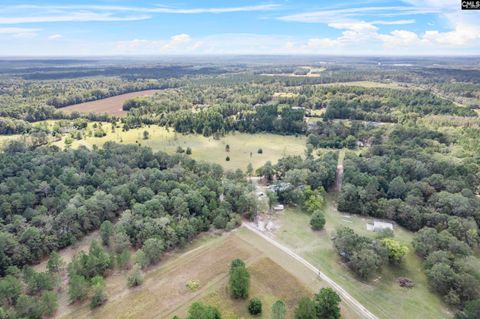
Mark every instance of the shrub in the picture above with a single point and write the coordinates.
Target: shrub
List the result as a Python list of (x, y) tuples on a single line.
[(193, 285), (278, 310), (317, 221), (135, 278), (255, 306)]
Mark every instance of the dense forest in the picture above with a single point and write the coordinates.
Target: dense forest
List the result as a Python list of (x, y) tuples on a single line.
[(51, 198)]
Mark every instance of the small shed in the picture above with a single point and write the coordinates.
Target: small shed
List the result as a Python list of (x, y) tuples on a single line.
[(278, 207), (379, 226)]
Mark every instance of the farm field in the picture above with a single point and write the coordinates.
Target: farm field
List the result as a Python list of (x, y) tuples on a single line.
[(274, 275), (112, 105), (243, 147), (382, 295)]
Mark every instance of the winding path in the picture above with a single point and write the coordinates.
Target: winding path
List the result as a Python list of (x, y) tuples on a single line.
[(357, 306)]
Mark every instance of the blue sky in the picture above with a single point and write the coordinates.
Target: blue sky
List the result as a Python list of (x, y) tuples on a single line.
[(349, 27)]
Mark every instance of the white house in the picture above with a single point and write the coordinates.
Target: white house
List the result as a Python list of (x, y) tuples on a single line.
[(278, 207)]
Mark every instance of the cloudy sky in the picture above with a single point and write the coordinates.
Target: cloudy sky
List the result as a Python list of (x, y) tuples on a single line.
[(127, 27)]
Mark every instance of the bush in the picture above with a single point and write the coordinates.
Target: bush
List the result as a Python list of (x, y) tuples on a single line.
[(135, 278), (77, 288), (227, 158), (99, 298), (193, 285), (260, 151), (278, 310), (153, 249), (255, 306), (49, 303), (317, 221), (199, 310), (305, 309)]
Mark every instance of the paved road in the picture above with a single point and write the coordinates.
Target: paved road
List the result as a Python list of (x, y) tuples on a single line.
[(357, 306)]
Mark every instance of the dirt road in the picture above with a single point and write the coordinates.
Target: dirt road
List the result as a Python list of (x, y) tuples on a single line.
[(357, 306)]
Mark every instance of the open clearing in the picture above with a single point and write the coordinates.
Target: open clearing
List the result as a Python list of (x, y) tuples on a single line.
[(243, 147), (111, 105), (274, 275), (313, 72), (370, 84), (382, 295), (7, 138)]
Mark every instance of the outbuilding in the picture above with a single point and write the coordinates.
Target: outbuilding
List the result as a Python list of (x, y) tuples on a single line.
[(379, 226)]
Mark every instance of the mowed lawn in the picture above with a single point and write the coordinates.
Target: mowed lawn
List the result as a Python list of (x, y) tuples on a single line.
[(382, 295), (274, 275), (243, 147)]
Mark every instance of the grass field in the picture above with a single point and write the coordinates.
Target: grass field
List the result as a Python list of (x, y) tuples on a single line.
[(7, 138), (243, 147), (164, 292), (382, 295), (111, 105)]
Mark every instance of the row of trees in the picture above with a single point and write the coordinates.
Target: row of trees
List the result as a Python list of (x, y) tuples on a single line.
[(272, 118)]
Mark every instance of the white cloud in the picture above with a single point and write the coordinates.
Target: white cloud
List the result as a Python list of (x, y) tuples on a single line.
[(395, 22), (464, 25), (398, 38), (341, 15), (360, 26), (71, 17), (155, 9), (20, 32), (84, 13), (262, 7), (177, 44), (55, 36), (176, 41), (462, 35)]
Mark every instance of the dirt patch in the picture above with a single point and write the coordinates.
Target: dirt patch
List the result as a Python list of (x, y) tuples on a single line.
[(112, 105)]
